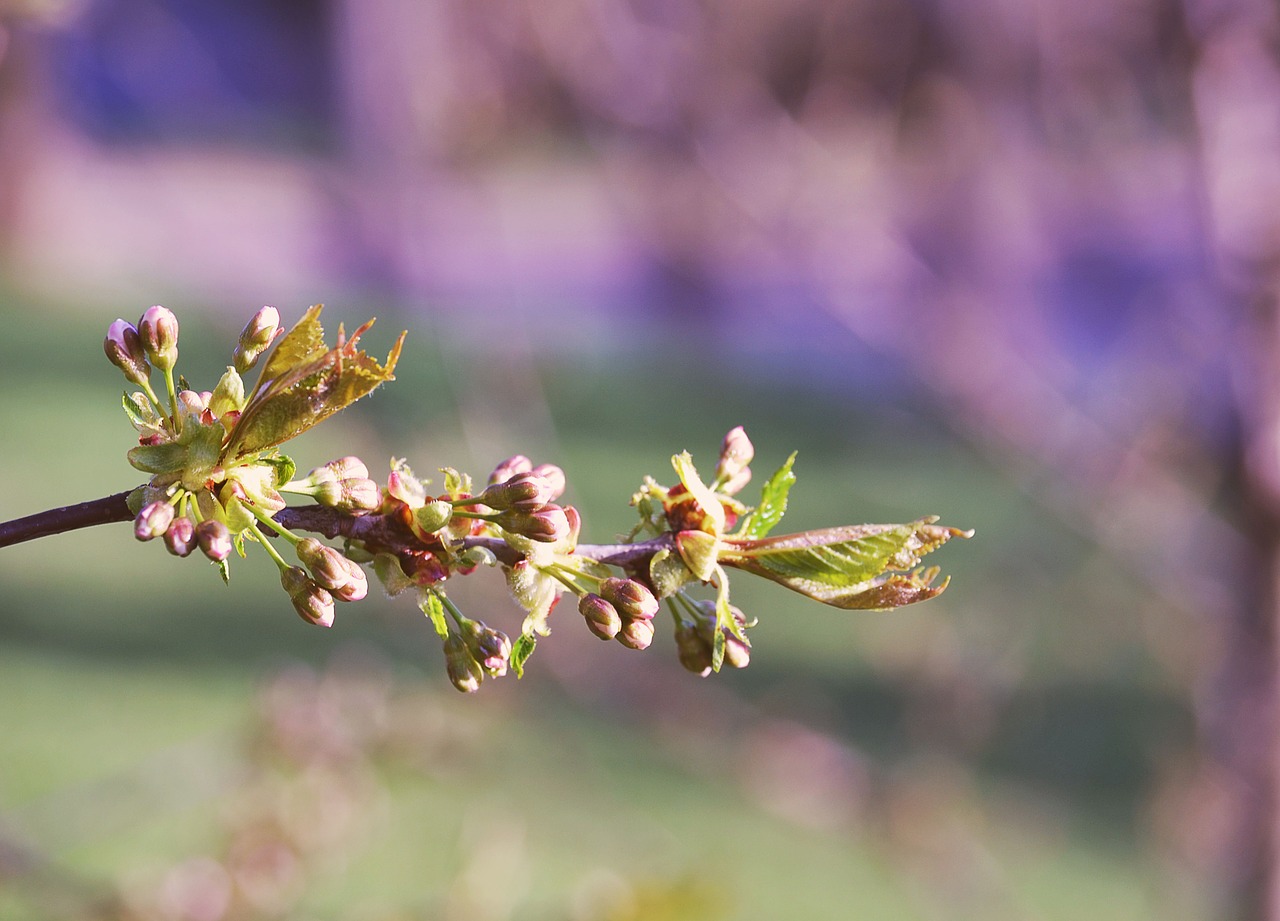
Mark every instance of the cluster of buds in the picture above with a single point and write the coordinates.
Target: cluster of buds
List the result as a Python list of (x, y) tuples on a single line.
[(696, 632), (524, 498), (622, 609), (473, 652)]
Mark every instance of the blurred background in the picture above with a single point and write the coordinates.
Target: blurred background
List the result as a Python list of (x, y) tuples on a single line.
[(1011, 264)]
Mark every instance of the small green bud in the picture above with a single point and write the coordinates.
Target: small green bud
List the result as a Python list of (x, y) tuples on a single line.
[(509, 468), (313, 603), (693, 648), (464, 671), (636, 634), (257, 334), (228, 396), (351, 495), (158, 330), (433, 516), (214, 539), (153, 520), (180, 537), (124, 349), (633, 600), (602, 617)]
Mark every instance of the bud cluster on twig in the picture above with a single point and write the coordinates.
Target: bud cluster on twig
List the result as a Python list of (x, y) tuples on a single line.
[(217, 483)]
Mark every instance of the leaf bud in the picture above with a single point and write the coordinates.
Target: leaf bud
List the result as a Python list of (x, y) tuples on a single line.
[(554, 477), (215, 539), (228, 396), (257, 334), (602, 617), (153, 520), (464, 671), (736, 452), (124, 349), (636, 633), (632, 599), (313, 603), (158, 330), (180, 537), (433, 516), (509, 468), (547, 525)]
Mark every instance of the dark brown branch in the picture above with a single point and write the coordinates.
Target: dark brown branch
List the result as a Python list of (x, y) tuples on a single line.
[(318, 519), (67, 518)]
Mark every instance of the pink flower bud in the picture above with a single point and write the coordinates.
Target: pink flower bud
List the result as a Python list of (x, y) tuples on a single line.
[(348, 468), (490, 648), (180, 537), (153, 520), (547, 525), (509, 468), (257, 334), (464, 671), (693, 649), (313, 604), (736, 452), (554, 477), (633, 600), (158, 330), (602, 618), (214, 539), (124, 349), (636, 634)]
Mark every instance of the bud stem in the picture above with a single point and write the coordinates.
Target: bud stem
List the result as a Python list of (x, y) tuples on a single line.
[(272, 524)]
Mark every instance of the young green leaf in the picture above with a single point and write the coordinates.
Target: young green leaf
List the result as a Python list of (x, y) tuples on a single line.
[(707, 500), (521, 649), (773, 503), (303, 383), (858, 567), (433, 607)]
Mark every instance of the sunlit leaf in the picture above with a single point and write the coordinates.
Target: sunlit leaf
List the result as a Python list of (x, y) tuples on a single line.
[(303, 383), (865, 567), (773, 502), (707, 500)]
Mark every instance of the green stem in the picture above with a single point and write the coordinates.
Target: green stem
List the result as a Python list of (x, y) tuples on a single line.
[(272, 523), (271, 550)]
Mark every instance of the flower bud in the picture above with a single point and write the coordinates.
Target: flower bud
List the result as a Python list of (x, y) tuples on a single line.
[(525, 491), (602, 617), (464, 671), (554, 477), (736, 452), (547, 525), (509, 468), (636, 634), (491, 648), (351, 495), (124, 349), (323, 563), (346, 468), (356, 587), (158, 330), (180, 537), (192, 404), (257, 334), (633, 600), (693, 649), (313, 603), (153, 520), (214, 539)]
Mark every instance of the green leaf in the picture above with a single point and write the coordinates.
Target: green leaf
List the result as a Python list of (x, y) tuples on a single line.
[(284, 466), (699, 550), (521, 649), (169, 457), (303, 383), (707, 500), (773, 502), (433, 607), (862, 567), (668, 573)]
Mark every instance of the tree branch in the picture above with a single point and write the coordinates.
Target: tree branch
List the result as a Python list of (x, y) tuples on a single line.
[(318, 519), (67, 518)]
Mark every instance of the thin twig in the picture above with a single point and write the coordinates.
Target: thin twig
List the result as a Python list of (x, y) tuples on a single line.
[(67, 518)]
